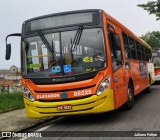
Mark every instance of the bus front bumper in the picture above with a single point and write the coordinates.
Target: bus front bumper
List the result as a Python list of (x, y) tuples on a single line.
[(90, 105)]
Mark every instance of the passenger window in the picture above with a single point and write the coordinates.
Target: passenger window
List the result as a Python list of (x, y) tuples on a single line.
[(138, 46), (133, 54), (147, 57), (115, 45), (139, 53), (126, 45), (132, 48), (143, 49), (143, 57), (131, 43), (150, 55)]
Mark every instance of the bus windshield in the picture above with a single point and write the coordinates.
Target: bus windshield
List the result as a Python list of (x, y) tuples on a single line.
[(70, 53)]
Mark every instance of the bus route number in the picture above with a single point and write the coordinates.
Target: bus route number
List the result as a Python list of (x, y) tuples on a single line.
[(82, 93)]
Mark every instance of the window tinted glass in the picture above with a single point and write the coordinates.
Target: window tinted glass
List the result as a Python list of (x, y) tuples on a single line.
[(66, 57), (131, 42), (133, 54), (115, 45), (126, 45), (125, 40), (138, 46)]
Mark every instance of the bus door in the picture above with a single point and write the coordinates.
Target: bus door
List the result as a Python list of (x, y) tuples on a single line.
[(118, 66)]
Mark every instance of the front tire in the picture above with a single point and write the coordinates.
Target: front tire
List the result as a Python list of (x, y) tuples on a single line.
[(130, 102)]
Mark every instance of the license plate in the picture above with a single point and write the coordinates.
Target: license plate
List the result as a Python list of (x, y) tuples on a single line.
[(64, 107)]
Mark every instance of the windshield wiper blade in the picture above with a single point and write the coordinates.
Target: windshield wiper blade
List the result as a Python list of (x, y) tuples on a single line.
[(76, 38), (46, 43)]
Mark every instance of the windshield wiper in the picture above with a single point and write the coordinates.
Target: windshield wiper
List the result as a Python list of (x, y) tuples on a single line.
[(46, 43), (77, 38)]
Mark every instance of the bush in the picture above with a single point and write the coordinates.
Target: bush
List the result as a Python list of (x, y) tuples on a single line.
[(9, 101)]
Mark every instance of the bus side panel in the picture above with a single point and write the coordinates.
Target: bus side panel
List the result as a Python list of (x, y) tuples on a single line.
[(120, 96), (139, 75), (135, 74)]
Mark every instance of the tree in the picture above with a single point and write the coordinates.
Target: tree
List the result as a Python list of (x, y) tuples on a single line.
[(153, 39), (153, 7)]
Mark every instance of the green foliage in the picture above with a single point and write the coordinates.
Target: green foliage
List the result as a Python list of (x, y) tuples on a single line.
[(153, 7), (153, 39), (11, 101)]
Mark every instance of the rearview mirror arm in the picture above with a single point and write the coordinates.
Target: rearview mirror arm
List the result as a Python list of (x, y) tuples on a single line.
[(15, 34)]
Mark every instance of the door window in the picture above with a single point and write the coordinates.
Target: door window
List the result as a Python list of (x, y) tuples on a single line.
[(116, 51)]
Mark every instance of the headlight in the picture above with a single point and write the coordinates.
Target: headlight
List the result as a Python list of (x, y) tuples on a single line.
[(27, 94), (104, 85)]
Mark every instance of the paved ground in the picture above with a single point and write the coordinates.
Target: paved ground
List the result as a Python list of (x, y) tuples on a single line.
[(145, 116), (16, 120)]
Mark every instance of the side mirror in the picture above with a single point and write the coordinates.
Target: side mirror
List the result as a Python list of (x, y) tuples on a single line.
[(8, 51), (8, 46)]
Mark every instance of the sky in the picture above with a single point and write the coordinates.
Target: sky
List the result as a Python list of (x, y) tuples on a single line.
[(14, 12)]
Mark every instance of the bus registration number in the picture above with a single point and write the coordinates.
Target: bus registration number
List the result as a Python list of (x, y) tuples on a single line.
[(64, 107)]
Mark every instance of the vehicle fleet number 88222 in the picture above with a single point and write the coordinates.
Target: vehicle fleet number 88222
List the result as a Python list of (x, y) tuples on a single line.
[(82, 93)]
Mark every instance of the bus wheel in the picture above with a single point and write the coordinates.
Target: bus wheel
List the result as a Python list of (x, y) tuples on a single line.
[(148, 90), (130, 102)]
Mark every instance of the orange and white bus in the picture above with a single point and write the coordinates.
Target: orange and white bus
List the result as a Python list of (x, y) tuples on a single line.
[(81, 62)]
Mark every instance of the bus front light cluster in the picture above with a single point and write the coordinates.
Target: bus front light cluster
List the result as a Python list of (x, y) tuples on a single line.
[(104, 85), (27, 94)]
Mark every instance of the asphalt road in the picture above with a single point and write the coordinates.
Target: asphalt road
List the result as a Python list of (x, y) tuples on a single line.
[(145, 116)]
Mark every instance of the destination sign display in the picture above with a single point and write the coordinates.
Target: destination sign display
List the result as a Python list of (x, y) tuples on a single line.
[(60, 21)]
